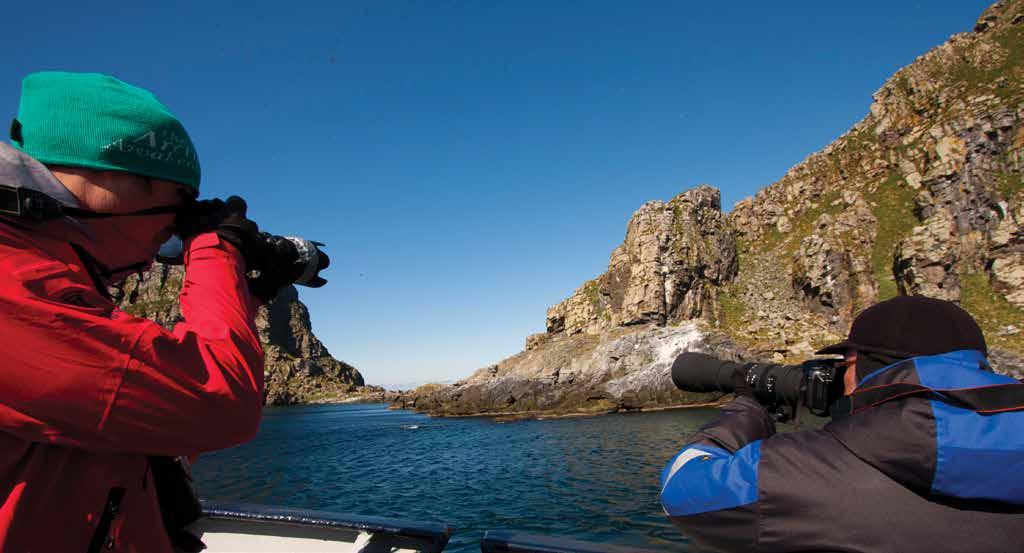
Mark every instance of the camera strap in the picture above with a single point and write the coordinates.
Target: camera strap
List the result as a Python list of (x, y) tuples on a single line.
[(33, 204), (179, 503), (984, 400)]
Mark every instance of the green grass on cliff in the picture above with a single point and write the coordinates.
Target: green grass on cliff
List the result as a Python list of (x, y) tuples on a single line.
[(992, 311), (592, 291), (1012, 40), (802, 226), (733, 309), (893, 207), (986, 79), (1009, 185)]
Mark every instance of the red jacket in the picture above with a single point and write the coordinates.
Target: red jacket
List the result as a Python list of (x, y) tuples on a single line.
[(87, 391)]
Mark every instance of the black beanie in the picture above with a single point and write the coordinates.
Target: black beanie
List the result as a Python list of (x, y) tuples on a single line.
[(912, 326)]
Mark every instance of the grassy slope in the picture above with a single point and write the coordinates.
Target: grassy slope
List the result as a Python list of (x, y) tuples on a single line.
[(891, 198)]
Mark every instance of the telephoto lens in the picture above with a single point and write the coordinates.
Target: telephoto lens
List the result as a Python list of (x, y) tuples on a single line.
[(700, 372), (772, 385), (782, 388)]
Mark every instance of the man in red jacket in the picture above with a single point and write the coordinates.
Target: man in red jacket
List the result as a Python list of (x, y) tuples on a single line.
[(88, 393)]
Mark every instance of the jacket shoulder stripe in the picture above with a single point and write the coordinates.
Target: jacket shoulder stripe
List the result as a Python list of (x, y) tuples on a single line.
[(958, 369), (703, 479), (978, 456), (968, 445), (684, 457)]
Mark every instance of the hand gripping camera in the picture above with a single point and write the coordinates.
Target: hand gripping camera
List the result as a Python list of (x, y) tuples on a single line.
[(782, 389), (298, 260)]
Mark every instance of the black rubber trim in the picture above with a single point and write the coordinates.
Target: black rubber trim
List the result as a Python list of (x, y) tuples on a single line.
[(110, 510), (511, 541), (90, 264), (16, 132), (323, 519), (10, 200), (984, 400)]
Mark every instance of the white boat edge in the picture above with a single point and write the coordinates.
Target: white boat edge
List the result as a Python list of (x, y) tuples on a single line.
[(252, 528)]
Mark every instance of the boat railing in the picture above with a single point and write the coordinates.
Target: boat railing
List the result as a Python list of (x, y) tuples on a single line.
[(251, 528)]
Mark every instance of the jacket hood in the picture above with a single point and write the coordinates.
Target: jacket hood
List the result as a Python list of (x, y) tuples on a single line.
[(19, 170), (934, 447)]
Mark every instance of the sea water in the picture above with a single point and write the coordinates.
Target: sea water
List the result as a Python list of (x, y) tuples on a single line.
[(590, 478)]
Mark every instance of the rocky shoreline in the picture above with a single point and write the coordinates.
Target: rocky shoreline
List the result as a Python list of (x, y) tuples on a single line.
[(623, 370), (362, 394), (547, 415)]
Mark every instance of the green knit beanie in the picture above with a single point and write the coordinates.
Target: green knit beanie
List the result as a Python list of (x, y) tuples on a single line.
[(98, 122)]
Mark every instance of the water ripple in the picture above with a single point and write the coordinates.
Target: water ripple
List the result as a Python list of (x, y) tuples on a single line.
[(593, 479)]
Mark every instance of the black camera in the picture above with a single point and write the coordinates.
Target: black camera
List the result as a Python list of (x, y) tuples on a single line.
[(782, 389), (297, 259), (304, 255)]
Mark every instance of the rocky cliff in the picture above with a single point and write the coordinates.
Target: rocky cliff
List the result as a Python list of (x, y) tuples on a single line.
[(674, 258), (922, 196), (298, 369)]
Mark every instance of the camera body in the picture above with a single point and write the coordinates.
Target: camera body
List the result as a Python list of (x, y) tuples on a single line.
[(782, 389), (823, 384)]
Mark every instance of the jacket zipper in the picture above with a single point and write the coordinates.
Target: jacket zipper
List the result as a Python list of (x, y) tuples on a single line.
[(110, 510)]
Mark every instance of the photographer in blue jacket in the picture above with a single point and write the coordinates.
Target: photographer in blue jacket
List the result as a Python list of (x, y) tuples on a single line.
[(925, 451)]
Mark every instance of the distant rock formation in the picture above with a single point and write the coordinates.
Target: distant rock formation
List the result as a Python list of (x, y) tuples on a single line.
[(668, 269), (922, 196), (298, 369), (580, 373)]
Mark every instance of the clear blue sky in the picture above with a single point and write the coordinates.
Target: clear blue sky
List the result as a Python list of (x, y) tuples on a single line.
[(471, 163)]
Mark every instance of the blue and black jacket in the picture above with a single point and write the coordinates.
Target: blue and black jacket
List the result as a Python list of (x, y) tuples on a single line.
[(917, 473)]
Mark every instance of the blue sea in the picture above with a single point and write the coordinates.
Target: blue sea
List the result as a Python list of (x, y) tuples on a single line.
[(582, 478)]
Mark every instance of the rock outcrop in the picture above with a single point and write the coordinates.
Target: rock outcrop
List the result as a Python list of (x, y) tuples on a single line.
[(922, 196), (674, 258), (832, 266), (298, 368)]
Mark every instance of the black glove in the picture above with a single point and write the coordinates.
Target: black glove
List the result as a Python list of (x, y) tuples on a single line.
[(198, 217), (227, 219), (242, 233), (739, 382)]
